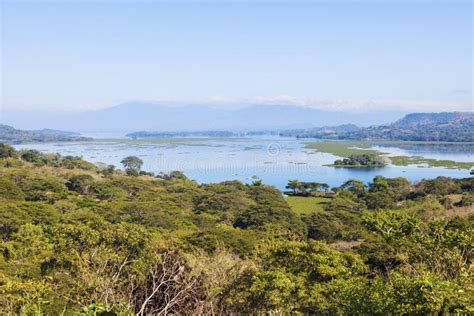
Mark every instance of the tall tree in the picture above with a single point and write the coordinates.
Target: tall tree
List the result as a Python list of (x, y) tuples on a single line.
[(132, 162)]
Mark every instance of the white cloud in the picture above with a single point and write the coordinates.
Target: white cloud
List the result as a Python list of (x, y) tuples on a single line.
[(371, 104), (335, 104)]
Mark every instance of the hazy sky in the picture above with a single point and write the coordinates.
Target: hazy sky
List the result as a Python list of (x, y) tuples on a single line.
[(92, 54)]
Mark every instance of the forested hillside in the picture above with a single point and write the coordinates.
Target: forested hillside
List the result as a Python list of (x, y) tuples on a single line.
[(11, 135), (84, 239), (446, 126)]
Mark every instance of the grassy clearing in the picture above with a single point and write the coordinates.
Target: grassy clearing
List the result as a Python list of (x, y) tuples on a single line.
[(306, 205)]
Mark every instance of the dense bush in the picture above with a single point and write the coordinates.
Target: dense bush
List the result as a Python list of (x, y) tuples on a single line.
[(80, 240)]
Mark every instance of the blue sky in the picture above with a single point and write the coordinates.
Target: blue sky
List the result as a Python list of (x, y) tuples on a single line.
[(341, 54)]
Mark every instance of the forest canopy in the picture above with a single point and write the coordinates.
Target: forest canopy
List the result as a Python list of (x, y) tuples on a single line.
[(92, 239)]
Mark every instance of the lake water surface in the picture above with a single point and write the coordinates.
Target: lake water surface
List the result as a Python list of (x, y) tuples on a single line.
[(275, 160)]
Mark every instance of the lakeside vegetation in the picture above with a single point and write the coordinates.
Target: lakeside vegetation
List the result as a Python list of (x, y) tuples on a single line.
[(417, 160), (358, 148), (83, 239), (361, 161)]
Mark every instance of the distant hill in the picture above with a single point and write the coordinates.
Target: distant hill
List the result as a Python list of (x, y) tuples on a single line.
[(12, 135), (149, 116), (48, 131), (326, 132), (145, 134), (417, 120), (445, 126)]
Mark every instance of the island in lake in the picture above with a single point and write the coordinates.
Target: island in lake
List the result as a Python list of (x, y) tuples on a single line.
[(361, 161)]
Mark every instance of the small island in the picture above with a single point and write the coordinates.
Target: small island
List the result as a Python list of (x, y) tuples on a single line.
[(360, 161)]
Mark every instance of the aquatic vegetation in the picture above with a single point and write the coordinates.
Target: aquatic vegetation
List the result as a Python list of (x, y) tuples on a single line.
[(349, 148)]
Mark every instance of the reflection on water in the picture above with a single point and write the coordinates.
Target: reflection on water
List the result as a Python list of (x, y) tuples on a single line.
[(274, 160)]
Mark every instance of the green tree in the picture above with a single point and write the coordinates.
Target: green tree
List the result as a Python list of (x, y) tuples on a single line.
[(7, 151), (132, 162), (355, 186), (294, 185), (296, 277), (80, 183), (9, 190)]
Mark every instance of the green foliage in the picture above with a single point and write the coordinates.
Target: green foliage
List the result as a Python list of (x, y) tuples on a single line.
[(295, 277), (306, 188), (107, 190), (354, 186), (33, 156), (378, 200), (80, 240), (360, 161), (333, 226), (7, 151), (226, 200), (240, 241), (71, 162), (13, 215), (346, 201), (440, 186), (390, 224), (401, 294), (95, 310), (132, 172), (467, 199), (37, 186), (10, 191), (132, 163), (281, 221), (40, 159), (80, 183)]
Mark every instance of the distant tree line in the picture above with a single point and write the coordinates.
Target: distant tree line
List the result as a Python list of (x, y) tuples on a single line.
[(300, 188)]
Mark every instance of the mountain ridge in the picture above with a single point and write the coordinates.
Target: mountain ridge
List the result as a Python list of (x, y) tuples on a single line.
[(137, 116), (443, 126)]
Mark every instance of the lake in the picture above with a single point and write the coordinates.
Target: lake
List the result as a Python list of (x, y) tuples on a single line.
[(275, 160)]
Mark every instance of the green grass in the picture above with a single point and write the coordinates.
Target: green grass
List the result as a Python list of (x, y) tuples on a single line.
[(306, 205), (417, 160), (343, 148)]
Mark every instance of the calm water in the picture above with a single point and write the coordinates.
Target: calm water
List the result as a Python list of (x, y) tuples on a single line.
[(275, 160), (454, 152)]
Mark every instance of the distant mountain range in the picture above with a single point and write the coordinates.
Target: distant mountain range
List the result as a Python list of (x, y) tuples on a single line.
[(449, 127), (156, 120), (322, 132), (147, 116), (445, 126), (12, 135)]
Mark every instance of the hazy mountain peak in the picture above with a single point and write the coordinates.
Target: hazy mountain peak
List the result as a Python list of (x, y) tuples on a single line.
[(156, 116)]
